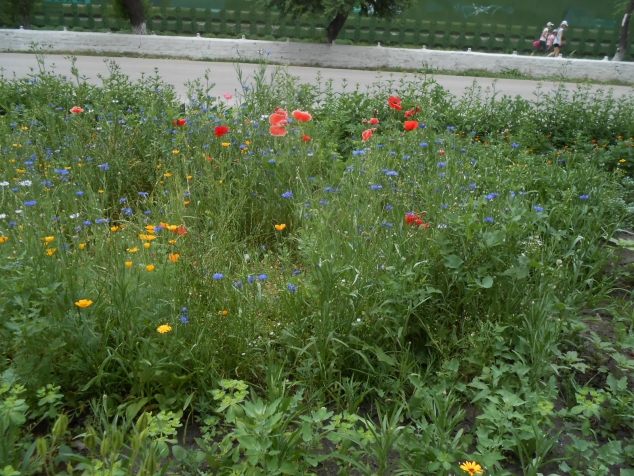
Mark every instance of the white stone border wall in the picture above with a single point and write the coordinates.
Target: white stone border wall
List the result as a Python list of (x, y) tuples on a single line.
[(311, 54)]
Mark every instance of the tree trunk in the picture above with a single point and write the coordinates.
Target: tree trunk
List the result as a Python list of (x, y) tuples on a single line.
[(134, 9), (625, 25), (335, 27)]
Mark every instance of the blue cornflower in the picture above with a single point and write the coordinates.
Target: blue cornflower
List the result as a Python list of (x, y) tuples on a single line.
[(389, 207), (99, 221), (296, 272), (272, 161), (358, 152), (442, 164), (489, 219), (184, 320), (147, 212), (391, 173), (237, 284), (376, 187), (104, 166), (218, 276), (463, 151), (291, 287), (538, 208), (489, 196), (127, 211), (323, 202), (143, 194), (439, 141), (250, 279), (387, 224), (123, 200), (423, 144), (349, 168), (444, 207), (287, 195), (582, 197), (87, 223), (515, 145), (30, 203), (262, 277), (79, 193)]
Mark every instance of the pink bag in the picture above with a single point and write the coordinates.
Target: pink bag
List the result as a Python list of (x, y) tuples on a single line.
[(536, 44)]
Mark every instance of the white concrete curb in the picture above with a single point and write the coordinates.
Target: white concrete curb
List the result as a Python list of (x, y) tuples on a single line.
[(310, 54)]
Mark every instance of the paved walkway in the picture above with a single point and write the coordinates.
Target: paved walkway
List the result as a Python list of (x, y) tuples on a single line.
[(178, 72)]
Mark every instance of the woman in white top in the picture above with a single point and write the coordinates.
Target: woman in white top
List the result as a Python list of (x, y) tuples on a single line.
[(559, 42), (541, 47)]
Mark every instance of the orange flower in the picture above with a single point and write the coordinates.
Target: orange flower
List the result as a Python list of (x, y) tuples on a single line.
[(3, 239), (174, 257), (147, 237), (147, 245), (83, 303), (128, 264), (280, 227), (149, 267), (51, 251), (114, 228)]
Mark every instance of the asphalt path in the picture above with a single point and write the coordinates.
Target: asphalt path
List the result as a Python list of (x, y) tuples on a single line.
[(225, 77)]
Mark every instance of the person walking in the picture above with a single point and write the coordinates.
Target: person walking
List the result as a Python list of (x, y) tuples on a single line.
[(559, 42), (540, 45)]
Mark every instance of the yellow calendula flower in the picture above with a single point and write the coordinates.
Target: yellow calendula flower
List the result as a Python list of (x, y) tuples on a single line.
[(189, 177), (48, 239), (186, 203), (128, 264), (167, 175), (147, 245), (280, 227), (51, 251), (83, 303), (174, 257), (224, 312), (114, 228), (147, 237), (622, 161), (172, 227), (132, 250), (248, 142), (175, 151), (21, 171), (471, 467), (82, 246), (226, 144), (150, 229), (101, 191), (164, 328), (24, 128), (3, 239), (172, 242), (150, 268)]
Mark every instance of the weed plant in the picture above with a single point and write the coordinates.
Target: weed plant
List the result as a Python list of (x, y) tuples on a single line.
[(356, 295)]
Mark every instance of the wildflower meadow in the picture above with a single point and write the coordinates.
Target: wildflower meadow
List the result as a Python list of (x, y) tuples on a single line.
[(290, 280)]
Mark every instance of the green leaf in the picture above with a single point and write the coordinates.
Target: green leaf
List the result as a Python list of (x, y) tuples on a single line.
[(133, 408), (453, 261), (179, 452)]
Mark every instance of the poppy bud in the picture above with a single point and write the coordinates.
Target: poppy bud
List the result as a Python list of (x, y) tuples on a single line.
[(364, 121)]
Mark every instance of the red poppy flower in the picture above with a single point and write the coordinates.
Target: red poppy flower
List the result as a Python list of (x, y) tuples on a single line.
[(278, 119), (365, 136), (374, 121), (221, 131), (76, 110), (412, 219), (410, 125), (412, 111), (180, 231), (277, 131), (180, 122), (441, 152), (395, 103), (302, 116), (306, 138)]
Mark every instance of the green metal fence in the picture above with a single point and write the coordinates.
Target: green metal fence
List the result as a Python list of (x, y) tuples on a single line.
[(255, 23)]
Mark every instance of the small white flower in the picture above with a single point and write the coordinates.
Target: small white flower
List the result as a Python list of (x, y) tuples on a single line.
[(4, 184), (2, 216), (18, 211), (75, 215), (26, 183)]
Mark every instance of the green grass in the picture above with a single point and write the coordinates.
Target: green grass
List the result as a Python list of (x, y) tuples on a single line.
[(312, 302)]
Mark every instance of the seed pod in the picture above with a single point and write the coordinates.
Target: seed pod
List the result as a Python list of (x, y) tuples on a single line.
[(42, 447), (59, 429)]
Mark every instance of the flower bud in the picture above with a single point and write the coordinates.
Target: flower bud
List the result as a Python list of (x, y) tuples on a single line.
[(90, 440), (117, 440), (42, 447), (59, 429), (105, 447)]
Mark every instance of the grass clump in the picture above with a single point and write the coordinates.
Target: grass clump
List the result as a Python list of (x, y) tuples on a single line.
[(348, 291)]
